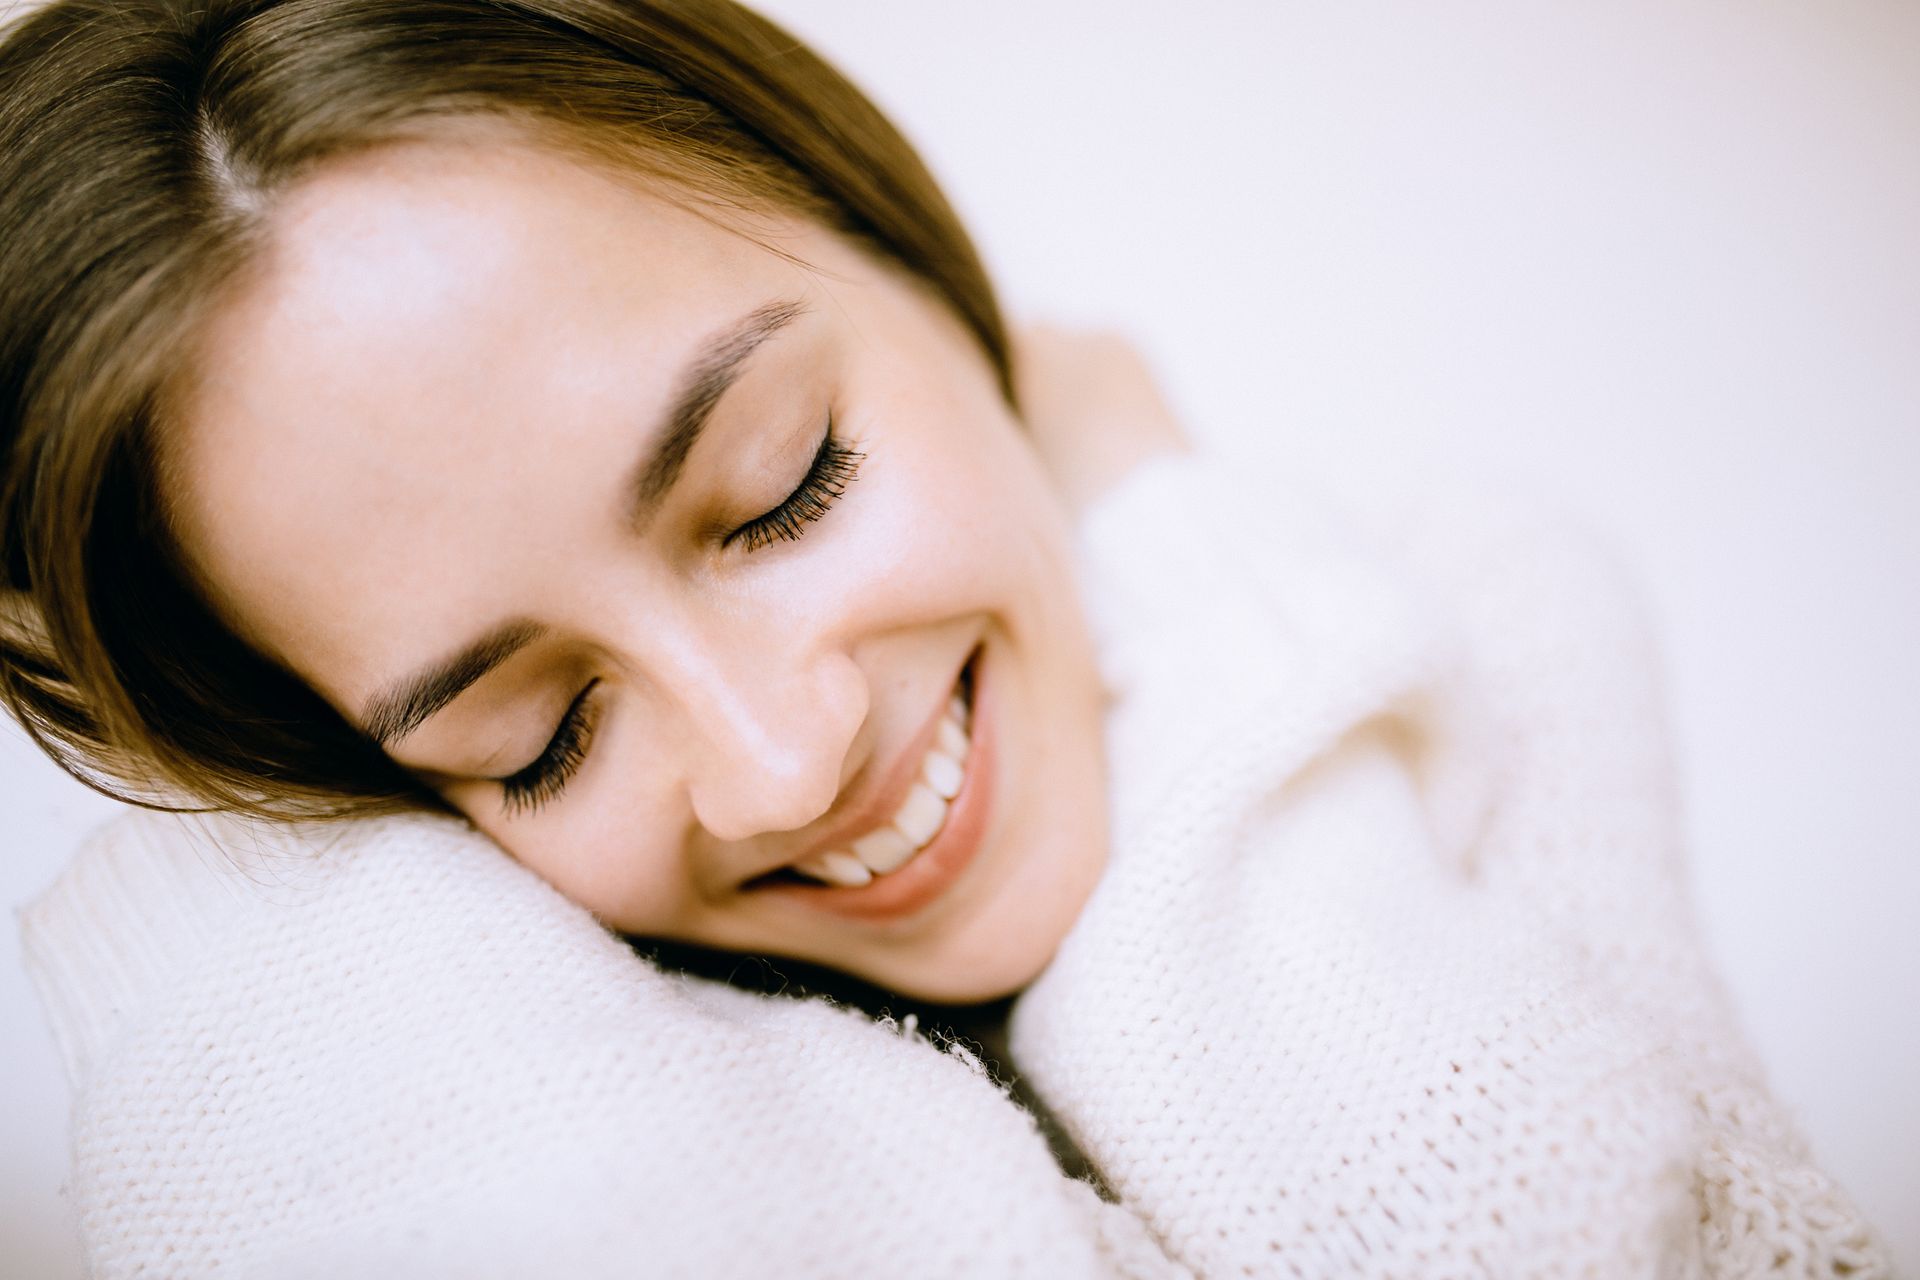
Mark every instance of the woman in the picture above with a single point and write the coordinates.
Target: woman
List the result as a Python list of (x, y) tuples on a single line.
[(587, 421)]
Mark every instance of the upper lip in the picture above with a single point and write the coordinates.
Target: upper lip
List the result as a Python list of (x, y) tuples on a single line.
[(877, 794)]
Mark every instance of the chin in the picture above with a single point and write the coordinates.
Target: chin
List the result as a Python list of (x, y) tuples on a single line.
[(1009, 945), (974, 987)]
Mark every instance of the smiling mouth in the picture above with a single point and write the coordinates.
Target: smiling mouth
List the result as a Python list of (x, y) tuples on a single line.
[(921, 818)]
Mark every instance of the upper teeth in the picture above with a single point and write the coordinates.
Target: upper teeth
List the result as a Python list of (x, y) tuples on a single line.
[(919, 820)]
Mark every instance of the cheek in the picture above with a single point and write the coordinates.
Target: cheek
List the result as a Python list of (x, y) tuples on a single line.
[(609, 855), (910, 543), (956, 519)]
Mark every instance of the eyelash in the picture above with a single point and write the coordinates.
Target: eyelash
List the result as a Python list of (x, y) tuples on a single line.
[(834, 467), (548, 775)]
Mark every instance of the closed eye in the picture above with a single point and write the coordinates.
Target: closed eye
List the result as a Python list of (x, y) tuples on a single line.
[(527, 789), (835, 466)]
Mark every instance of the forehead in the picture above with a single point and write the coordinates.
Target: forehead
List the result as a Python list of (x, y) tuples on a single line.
[(436, 340)]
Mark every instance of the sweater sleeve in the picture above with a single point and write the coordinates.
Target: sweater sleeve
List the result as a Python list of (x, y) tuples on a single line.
[(1392, 970), (385, 1048)]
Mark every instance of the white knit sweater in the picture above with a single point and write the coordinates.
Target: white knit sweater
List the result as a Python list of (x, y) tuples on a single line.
[(1391, 974)]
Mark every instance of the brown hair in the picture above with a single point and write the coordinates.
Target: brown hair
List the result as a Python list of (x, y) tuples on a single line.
[(142, 143)]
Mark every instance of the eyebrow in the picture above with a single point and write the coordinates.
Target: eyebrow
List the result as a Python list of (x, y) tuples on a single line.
[(405, 705), (402, 708), (713, 370)]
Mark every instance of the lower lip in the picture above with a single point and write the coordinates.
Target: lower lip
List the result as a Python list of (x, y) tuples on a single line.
[(933, 870)]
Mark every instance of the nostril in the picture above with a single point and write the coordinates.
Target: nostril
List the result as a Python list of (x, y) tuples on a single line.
[(744, 798)]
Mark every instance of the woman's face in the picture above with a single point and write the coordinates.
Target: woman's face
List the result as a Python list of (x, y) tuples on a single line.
[(662, 552)]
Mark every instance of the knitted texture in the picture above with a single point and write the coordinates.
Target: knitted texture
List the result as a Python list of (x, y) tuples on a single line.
[(403, 1054), (1391, 974)]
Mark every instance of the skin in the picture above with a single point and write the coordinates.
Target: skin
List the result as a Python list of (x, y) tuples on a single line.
[(413, 420)]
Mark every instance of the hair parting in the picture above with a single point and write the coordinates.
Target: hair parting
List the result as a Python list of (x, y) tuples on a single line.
[(144, 145)]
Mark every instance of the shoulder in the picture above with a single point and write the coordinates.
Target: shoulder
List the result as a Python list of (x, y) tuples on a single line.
[(1473, 549)]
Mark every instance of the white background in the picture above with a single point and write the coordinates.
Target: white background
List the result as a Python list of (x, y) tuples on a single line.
[(1658, 260)]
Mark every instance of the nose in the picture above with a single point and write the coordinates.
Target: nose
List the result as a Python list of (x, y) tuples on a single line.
[(769, 735)]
